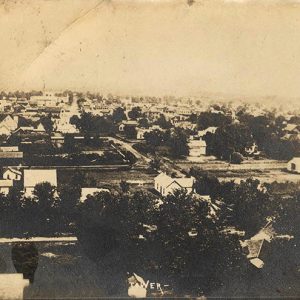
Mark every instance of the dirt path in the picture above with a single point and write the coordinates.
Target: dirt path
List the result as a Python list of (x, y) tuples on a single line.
[(142, 159)]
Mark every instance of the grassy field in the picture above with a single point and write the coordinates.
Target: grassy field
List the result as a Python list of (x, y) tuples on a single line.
[(111, 178), (264, 170)]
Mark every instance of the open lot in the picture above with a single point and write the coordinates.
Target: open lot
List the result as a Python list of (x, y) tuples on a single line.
[(264, 170), (105, 177)]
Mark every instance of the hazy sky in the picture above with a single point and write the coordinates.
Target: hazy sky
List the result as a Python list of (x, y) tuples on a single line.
[(152, 47)]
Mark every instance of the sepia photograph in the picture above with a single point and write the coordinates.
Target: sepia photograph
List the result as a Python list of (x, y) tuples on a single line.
[(149, 149)]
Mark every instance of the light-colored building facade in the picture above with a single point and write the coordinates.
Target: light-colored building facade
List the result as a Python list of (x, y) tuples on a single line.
[(5, 185), (32, 177), (294, 165), (197, 148), (8, 124), (165, 184), (12, 174)]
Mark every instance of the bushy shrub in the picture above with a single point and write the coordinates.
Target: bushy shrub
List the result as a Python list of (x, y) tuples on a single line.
[(237, 158)]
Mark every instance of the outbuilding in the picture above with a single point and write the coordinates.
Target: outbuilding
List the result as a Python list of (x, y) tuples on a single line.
[(294, 165), (12, 174)]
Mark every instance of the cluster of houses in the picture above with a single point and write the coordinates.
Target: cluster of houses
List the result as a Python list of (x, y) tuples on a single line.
[(24, 116), (27, 179)]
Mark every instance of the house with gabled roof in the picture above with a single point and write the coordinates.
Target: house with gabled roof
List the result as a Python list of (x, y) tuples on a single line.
[(12, 174), (8, 124), (166, 184), (259, 243), (4, 130)]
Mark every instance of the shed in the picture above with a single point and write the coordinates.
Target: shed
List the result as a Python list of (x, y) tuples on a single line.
[(294, 165)]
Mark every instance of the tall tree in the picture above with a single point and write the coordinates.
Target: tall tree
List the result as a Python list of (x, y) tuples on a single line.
[(144, 123), (178, 143), (47, 206), (208, 119), (135, 113), (48, 123), (229, 139), (162, 122), (69, 198), (118, 115), (250, 206), (192, 252)]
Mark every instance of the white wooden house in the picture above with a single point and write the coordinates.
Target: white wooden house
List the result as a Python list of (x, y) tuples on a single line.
[(8, 124), (165, 184), (9, 121), (12, 174)]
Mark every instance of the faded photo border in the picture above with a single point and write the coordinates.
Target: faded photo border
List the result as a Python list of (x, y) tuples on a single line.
[(149, 148)]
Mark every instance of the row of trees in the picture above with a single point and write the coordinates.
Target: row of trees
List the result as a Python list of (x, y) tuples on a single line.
[(232, 139), (173, 143), (210, 119), (266, 131), (228, 140), (20, 94), (89, 124), (251, 203), (93, 125), (46, 212)]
